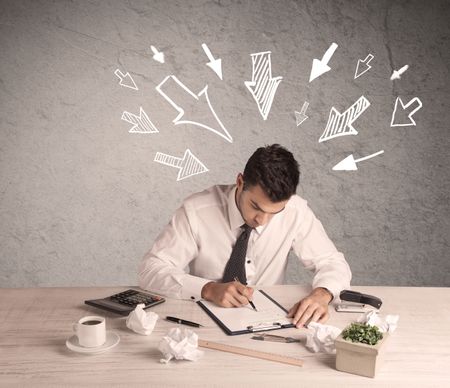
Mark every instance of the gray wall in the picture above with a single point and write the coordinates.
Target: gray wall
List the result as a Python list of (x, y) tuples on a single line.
[(81, 199)]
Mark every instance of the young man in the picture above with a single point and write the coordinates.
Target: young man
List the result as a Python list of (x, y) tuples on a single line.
[(245, 231)]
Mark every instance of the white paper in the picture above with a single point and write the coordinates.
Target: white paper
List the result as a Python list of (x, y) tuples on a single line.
[(140, 321), (322, 338), (237, 319), (181, 344), (387, 324)]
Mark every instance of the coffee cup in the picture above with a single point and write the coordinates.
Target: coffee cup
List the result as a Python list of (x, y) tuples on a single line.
[(91, 331)]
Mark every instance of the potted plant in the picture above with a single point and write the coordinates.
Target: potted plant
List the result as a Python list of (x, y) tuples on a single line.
[(359, 349)]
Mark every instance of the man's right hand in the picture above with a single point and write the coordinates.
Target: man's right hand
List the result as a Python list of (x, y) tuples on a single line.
[(232, 294)]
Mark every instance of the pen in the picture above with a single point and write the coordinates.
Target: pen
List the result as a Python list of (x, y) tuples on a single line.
[(251, 303), (183, 321)]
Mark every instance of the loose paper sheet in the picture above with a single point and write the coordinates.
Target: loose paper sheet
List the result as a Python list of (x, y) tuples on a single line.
[(240, 318)]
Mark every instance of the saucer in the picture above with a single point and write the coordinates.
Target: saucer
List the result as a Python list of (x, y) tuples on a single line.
[(112, 339)]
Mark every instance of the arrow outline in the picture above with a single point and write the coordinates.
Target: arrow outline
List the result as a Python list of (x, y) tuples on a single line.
[(301, 116), (404, 107), (366, 61), (177, 120), (121, 76)]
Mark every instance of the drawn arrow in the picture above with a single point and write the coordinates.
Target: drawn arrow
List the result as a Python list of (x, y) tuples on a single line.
[(263, 86), (364, 66), (126, 80), (204, 92), (397, 73), (214, 64), (188, 165), (301, 116), (157, 55), (141, 123), (403, 121), (349, 163), (341, 124), (320, 67)]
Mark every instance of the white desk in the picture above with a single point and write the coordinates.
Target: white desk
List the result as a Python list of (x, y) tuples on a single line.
[(35, 324)]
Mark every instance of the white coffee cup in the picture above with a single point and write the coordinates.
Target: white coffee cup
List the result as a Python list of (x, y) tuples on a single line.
[(91, 331)]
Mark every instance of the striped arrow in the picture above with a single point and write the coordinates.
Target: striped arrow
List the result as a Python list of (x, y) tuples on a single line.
[(263, 86), (141, 123), (188, 165)]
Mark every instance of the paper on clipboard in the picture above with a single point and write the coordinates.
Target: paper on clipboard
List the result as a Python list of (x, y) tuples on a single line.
[(241, 320)]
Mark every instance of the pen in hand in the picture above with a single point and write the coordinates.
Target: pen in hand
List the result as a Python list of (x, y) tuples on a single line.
[(251, 303)]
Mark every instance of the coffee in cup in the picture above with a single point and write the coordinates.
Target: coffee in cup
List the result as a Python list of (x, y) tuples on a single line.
[(91, 331)]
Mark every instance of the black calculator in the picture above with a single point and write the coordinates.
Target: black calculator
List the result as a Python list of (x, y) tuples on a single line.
[(125, 302)]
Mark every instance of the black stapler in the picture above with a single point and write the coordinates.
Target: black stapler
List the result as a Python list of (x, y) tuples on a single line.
[(357, 302)]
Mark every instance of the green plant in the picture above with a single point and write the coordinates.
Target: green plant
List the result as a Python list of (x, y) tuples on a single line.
[(361, 332)]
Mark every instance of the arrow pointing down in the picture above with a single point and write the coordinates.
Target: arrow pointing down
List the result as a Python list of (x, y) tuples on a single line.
[(320, 67)]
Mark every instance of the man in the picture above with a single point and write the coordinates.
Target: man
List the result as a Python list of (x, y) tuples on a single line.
[(206, 235)]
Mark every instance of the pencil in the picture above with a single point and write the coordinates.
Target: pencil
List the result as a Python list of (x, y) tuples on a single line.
[(251, 303)]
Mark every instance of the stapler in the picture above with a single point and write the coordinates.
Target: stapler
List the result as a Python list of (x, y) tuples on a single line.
[(356, 302)]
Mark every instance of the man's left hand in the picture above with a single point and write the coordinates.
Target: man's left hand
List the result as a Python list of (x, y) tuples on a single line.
[(313, 308)]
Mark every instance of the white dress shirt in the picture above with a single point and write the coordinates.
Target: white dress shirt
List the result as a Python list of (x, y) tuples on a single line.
[(200, 237)]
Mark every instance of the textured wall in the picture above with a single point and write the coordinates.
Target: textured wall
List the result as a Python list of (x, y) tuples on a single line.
[(81, 199)]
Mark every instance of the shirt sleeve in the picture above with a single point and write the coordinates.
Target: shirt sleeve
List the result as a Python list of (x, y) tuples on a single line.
[(318, 254), (163, 268)]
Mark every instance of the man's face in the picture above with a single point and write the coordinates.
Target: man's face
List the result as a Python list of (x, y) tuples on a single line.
[(255, 206)]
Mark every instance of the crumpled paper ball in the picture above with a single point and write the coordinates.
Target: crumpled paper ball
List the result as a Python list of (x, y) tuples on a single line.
[(181, 344), (322, 338), (141, 321), (387, 324)]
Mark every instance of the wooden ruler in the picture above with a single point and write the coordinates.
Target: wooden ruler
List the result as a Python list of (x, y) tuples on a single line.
[(250, 352)]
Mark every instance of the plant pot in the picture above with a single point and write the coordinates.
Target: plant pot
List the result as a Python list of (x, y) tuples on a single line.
[(358, 358)]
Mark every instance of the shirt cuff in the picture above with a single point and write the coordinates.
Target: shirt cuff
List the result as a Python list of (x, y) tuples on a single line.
[(192, 287)]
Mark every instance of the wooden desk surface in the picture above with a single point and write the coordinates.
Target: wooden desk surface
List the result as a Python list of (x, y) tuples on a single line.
[(35, 324)]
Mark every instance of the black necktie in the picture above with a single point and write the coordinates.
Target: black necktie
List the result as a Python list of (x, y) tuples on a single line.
[(236, 264)]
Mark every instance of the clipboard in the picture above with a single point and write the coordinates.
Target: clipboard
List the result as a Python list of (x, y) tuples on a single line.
[(243, 320)]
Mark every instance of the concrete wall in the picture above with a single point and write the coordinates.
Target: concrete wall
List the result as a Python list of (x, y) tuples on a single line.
[(81, 199)]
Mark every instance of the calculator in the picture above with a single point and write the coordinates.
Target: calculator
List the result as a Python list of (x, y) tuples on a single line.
[(125, 302)]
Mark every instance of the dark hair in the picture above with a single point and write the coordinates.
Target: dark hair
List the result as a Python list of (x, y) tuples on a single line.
[(275, 169)]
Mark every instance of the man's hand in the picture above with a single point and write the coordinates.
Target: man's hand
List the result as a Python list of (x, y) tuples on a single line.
[(313, 308), (232, 294)]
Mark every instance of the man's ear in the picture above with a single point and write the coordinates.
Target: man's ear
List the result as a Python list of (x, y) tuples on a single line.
[(240, 181)]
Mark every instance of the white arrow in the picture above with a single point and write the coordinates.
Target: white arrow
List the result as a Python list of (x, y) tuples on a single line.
[(263, 86), (397, 73), (341, 124), (141, 123), (129, 82), (301, 116), (320, 67), (158, 55), (401, 121), (364, 65), (349, 163), (188, 165), (180, 119), (214, 64)]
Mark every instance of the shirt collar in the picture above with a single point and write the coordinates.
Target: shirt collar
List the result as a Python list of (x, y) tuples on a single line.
[(234, 215)]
